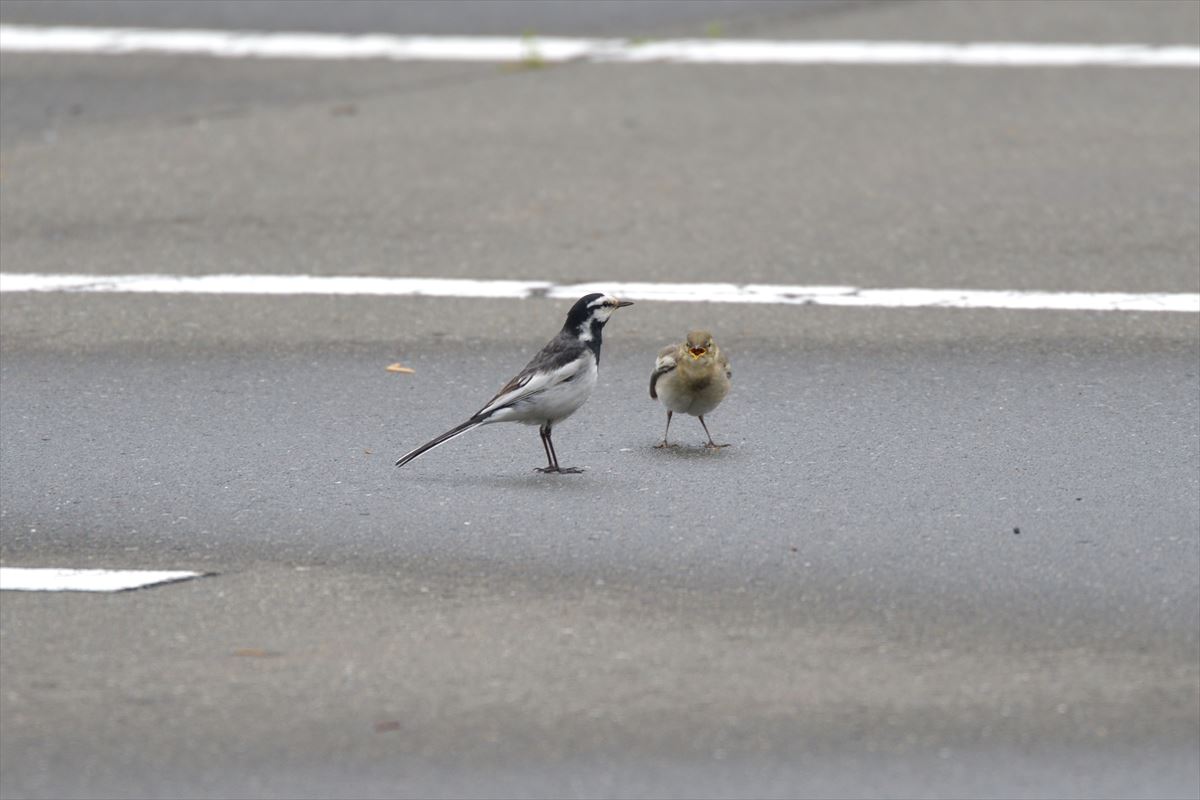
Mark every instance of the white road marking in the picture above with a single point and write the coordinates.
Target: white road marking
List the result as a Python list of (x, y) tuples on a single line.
[(84, 580), (554, 49), (667, 292)]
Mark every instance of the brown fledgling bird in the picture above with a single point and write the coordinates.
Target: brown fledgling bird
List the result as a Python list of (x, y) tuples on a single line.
[(691, 377)]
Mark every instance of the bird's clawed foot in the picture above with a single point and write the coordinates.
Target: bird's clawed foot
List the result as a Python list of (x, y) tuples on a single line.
[(665, 443), (711, 444), (560, 470)]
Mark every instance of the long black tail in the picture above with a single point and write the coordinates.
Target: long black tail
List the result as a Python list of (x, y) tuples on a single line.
[(469, 425)]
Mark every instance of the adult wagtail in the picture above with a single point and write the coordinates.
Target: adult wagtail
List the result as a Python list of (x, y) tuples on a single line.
[(552, 386), (691, 377)]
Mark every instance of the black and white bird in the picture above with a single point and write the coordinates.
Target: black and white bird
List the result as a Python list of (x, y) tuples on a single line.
[(553, 385)]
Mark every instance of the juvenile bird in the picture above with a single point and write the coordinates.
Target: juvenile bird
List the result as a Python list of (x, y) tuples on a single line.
[(553, 385), (692, 377)]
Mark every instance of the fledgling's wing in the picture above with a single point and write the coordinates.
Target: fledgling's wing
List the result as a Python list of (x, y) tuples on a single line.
[(724, 362), (662, 365), (558, 362)]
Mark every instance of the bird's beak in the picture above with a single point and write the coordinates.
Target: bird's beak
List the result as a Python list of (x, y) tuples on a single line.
[(697, 351), (623, 303)]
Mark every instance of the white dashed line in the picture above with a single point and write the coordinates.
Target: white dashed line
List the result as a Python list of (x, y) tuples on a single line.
[(666, 292), (85, 580), (553, 49)]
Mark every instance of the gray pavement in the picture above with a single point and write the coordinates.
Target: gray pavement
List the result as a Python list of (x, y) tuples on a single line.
[(470, 17), (1006, 179), (838, 605)]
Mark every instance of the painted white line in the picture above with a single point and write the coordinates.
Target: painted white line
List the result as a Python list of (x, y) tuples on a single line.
[(553, 49), (666, 292), (975, 54), (84, 580), (271, 284)]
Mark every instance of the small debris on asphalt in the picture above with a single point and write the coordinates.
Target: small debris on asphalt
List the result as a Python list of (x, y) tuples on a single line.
[(400, 368)]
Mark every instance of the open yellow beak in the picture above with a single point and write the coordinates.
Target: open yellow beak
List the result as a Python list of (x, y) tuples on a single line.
[(697, 351)]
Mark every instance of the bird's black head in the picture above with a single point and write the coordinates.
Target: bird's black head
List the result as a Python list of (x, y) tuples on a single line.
[(585, 320), (591, 311)]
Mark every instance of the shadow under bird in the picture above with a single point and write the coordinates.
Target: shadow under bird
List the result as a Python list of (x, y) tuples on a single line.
[(691, 377), (552, 386)]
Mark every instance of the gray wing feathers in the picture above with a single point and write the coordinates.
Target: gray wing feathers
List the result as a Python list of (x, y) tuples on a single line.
[(511, 386), (664, 364), (558, 352)]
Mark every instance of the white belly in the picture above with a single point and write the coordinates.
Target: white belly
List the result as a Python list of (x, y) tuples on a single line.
[(682, 398)]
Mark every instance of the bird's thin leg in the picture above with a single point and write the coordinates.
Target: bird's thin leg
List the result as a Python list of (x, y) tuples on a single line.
[(711, 443), (551, 466), (554, 458), (663, 443), (551, 458), (553, 452)]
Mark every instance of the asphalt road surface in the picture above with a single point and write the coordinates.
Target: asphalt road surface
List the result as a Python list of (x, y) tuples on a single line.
[(949, 553)]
